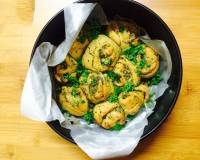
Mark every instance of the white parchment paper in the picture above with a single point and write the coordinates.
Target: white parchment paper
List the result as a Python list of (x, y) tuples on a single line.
[(37, 102)]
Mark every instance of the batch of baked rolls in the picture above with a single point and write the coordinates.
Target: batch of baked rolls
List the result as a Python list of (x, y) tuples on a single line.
[(104, 77)]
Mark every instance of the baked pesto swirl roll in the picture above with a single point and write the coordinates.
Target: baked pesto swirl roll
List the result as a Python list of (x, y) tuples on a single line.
[(98, 87), (79, 45), (69, 66), (101, 54), (127, 72), (123, 33), (73, 100), (77, 49), (108, 114), (151, 62), (132, 101)]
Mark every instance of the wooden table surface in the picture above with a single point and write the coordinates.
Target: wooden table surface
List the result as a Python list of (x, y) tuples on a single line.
[(23, 139)]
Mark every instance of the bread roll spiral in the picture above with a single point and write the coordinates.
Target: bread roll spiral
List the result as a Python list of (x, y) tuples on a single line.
[(78, 48), (75, 103), (108, 114), (101, 54), (67, 67), (123, 33), (127, 72), (132, 101), (98, 87), (152, 63)]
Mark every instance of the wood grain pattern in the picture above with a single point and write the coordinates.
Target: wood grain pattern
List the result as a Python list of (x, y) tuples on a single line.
[(22, 139)]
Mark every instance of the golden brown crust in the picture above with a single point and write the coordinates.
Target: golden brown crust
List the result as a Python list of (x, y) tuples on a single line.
[(76, 105), (67, 67), (152, 63), (123, 38), (108, 114), (131, 102), (98, 87), (127, 72), (101, 54), (78, 48), (80, 44)]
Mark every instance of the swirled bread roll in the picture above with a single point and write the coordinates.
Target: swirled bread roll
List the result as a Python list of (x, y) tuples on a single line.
[(78, 48), (73, 100), (79, 45), (101, 54), (108, 114), (132, 101), (67, 67), (98, 87), (127, 72), (152, 63), (122, 33)]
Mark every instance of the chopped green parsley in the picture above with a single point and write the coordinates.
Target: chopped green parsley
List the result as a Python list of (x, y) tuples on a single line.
[(80, 68), (114, 76), (72, 80), (128, 87), (88, 116), (94, 81), (82, 71), (84, 76), (155, 79), (131, 117), (74, 91), (132, 52), (117, 127), (138, 71), (143, 63), (114, 97)]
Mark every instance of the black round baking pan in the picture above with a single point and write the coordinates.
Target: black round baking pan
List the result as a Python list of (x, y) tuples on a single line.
[(54, 32)]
